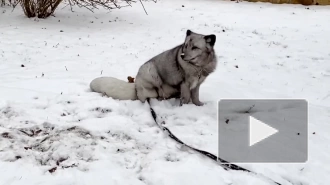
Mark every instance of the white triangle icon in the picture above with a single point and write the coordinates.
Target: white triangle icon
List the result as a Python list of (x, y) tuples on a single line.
[(259, 131)]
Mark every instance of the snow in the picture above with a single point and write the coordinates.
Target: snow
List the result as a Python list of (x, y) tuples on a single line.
[(50, 115)]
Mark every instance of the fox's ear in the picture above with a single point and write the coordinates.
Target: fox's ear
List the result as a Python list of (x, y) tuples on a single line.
[(188, 32), (210, 39)]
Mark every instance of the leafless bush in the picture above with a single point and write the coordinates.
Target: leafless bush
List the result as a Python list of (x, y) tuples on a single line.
[(39, 8), (45, 8)]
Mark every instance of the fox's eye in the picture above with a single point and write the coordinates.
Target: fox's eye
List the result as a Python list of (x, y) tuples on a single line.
[(193, 48)]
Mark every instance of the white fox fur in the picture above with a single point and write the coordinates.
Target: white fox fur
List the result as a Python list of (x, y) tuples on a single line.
[(114, 88)]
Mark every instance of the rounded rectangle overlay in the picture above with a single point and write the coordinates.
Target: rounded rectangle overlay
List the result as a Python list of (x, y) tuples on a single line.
[(263, 130)]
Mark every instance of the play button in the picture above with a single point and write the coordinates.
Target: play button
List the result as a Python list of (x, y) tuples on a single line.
[(259, 131)]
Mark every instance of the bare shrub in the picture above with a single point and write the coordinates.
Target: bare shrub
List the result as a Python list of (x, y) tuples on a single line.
[(45, 8), (39, 8)]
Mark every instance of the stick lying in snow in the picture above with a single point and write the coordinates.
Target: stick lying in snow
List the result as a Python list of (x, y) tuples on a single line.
[(114, 88)]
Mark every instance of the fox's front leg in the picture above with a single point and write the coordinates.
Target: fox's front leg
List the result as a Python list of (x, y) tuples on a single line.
[(185, 93), (195, 96)]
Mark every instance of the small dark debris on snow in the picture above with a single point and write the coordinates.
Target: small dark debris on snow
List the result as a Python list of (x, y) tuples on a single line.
[(61, 30), (71, 166), (42, 75), (6, 135), (227, 121), (223, 30), (59, 20), (68, 102), (314, 133), (18, 157), (22, 65), (288, 56), (60, 160), (28, 134), (103, 110), (72, 128), (236, 66), (182, 5), (38, 131), (298, 133), (63, 114), (44, 139), (52, 170), (28, 148)]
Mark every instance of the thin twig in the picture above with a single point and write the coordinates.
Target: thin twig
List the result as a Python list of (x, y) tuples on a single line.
[(143, 7), (128, 3), (248, 111)]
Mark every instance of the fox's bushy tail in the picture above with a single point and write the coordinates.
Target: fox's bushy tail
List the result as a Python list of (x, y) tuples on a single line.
[(114, 88)]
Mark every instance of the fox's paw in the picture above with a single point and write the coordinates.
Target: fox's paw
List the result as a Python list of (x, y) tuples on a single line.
[(199, 103)]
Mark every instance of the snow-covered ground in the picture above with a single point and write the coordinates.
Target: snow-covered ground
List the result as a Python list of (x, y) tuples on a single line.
[(49, 118)]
